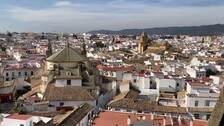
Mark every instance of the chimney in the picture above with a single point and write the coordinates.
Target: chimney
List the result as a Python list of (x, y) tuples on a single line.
[(143, 117), (191, 122), (129, 120), (171, 120), (152, 116), (179, 120), (164, 121)]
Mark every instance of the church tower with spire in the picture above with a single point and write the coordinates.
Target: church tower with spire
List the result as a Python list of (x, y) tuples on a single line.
[(49, 51), (84, 52), (143, 42)]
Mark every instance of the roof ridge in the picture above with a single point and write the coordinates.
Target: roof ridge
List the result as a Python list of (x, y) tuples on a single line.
[(68, 54), (81, 56), (57, 53)]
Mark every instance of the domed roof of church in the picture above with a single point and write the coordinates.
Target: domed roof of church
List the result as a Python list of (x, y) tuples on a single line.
[(67, 54)]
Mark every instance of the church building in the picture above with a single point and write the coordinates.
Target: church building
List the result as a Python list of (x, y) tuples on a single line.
[(68, 81)]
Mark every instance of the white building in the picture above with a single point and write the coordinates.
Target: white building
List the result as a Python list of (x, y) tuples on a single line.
[(146, 84), (201, 99), (11, 73), (196, 72), (24, 120)]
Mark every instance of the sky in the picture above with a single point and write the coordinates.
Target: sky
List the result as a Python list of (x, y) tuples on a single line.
[(87, 15)]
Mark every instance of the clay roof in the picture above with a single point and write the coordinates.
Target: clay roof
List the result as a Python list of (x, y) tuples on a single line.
[(130, 100), (115, 68), (69, 93), (120, 118), (45, 113), (76, 116), (67, 54), (19, 117)]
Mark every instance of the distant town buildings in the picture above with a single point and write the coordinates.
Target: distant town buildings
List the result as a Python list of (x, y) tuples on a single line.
[(52, 79)]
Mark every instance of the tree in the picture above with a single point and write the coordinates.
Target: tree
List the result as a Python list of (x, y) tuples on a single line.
[(210, 72), (100, 45)]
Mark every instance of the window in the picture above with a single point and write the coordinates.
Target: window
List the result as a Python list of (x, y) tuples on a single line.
[(135, 80), (25, 73), (89, 117), (31, 123), (68, 82), (7, 79), (139, 111), (207, 102), (152, 85), (31, 73), (196, 103), (178, 84), (19, 73), (7, 74), (96, 101), (196, 116), (61, 103), (208, 116), (13, 74)]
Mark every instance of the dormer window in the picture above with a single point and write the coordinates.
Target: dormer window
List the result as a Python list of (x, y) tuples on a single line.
[(61, 103), (19, 73), (68, 82), (178, 84)]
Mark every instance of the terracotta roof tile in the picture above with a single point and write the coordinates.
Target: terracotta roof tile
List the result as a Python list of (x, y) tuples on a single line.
[(19, 117), (69, 93), (120, 118)]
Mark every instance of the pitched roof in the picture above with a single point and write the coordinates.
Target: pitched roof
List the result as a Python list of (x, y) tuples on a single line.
[(115, 68), (67, 54), (76, 116), (19, 117), (143, 105), (130, 100), (70, 93), (110, 118)]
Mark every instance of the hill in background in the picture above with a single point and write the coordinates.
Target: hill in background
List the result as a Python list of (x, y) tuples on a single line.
[(217, 29)]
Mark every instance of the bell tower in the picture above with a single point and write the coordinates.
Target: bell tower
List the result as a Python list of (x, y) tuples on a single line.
[(49, 51), (143, 42)]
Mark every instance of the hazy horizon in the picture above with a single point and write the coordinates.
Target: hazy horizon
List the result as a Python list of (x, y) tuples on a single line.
[(83, 15)]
